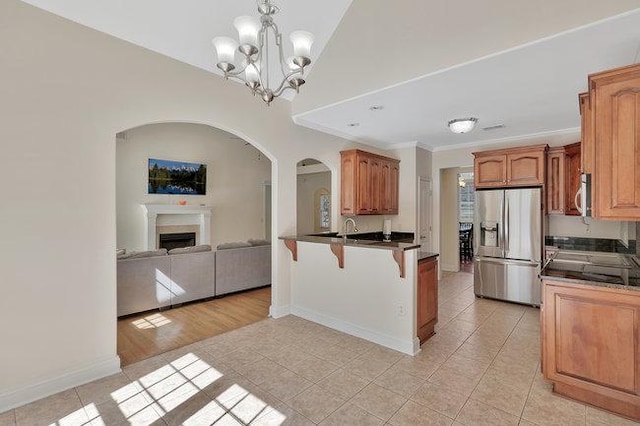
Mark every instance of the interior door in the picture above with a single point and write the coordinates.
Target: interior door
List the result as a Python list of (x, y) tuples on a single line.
[(424, 218)]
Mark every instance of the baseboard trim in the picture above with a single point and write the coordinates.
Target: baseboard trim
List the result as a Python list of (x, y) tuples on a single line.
[(23, 395), (406, 347), (452, 267), (279, 311)]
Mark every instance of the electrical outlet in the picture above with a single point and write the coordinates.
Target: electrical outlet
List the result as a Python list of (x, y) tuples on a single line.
[(401, 311)]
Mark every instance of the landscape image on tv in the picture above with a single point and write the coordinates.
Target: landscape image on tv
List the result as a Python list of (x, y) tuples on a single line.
[(177, 177)]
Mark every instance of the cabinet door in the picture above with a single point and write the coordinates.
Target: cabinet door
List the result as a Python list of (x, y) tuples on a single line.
[(394, 187), (385, 187), (375, 188), (348, 188), (525, 168), (591, 339), (363, 185), (617, 133), (572, 155), (586, 129), (556, 181), (427, 298), (490, 171)]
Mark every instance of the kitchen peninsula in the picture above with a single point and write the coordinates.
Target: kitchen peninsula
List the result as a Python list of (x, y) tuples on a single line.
[(365, 288)]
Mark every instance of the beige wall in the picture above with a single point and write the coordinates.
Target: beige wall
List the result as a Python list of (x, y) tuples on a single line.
[(574, 226), (307, 186), (65, 92), (449, 224), (236, 173)]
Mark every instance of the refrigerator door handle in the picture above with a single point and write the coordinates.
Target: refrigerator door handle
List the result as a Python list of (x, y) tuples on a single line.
[(506, 226), (507, 261)]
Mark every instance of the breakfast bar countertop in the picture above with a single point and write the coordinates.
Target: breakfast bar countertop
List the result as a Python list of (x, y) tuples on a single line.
[(354, 242)]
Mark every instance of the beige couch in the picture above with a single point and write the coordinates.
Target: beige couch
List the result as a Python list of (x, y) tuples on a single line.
[(157, 279)]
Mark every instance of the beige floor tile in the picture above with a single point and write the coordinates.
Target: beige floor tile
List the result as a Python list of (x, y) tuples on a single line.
[(399, 381), (115, 387), (236, 359), (383, 354), (8, 418), (262, 371), (544, 408), (599, 417), (378, 401), (135, 411), (343, 384), (350, 414), (316, 403), (449, 379), (476, 413), (64, 408), (289, 355), (494, 391), (282, 415), (336, 354), (416, 367), (439, 399), (266, 347), (415, 414), (313, 368), (367, 368), (286, 386)]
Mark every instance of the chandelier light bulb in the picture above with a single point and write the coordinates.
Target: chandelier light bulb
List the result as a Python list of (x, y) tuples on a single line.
[(302, 41), (252, 73), (225, 49), (248, 28)]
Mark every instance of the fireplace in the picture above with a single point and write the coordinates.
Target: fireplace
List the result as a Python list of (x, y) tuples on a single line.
[(177, 240)]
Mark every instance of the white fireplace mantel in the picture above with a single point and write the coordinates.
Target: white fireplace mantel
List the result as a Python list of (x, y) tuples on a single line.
[(151, 212)]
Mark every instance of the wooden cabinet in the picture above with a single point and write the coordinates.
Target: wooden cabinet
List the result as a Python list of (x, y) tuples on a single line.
[(591, 344), (369, 184), (510, 167), (563, 179), (572, 155), (556, 181), (427, 306), (586, 130), (614, 123)]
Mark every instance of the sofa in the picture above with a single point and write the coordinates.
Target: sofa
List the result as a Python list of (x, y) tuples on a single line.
[(160, 279)]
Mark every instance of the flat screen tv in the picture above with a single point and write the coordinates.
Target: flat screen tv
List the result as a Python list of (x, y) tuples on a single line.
[(177, 177)]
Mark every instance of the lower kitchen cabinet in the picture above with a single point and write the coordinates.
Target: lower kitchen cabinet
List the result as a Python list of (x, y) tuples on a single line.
[(591, 344), (427, 298)]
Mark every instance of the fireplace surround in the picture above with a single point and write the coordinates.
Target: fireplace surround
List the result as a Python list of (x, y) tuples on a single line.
[(176, 215)]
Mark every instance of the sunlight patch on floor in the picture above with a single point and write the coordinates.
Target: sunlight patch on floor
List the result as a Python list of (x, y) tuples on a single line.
[(152, 321)]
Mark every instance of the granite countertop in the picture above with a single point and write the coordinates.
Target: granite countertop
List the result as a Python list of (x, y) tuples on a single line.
[(354, 242), (626, 276)]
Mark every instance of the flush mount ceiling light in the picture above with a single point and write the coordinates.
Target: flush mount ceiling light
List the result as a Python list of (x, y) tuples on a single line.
[(254, 35), (462, 125)]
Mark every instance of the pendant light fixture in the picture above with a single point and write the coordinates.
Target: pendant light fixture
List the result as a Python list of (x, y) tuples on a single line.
[(255, 36)]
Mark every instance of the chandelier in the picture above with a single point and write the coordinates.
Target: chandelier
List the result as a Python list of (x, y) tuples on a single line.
[(253, 46)]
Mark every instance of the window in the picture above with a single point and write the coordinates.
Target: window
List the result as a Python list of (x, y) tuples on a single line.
[(466, 197)]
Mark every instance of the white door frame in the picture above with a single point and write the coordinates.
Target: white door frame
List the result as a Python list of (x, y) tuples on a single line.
[(424, 180)]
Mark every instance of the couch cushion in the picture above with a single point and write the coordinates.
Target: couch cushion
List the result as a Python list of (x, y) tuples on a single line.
[(192, 249), (143, 254), (258, 242), (239, 244)]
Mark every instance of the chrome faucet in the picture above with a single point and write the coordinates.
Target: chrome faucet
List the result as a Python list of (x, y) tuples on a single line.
[(346, 227)]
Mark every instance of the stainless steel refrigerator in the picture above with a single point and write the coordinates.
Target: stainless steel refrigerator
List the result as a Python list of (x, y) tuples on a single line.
[(508, 244)]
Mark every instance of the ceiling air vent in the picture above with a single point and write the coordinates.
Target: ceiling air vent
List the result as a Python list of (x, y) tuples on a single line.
[(496, 127)]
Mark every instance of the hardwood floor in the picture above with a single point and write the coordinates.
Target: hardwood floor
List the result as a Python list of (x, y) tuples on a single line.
[(151, 333)]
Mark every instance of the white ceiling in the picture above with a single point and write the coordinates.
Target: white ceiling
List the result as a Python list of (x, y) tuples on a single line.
[(184, 29), (531, 89)]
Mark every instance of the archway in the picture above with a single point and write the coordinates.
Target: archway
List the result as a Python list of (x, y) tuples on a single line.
[(314, 205), (232, 202)]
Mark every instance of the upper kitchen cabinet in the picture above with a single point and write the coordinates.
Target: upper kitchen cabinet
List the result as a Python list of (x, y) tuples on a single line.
[(510, 167), (563, 179), (369, 184), (614, 122)]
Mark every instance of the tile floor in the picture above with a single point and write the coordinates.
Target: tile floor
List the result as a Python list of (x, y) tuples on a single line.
[(481, 368)]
